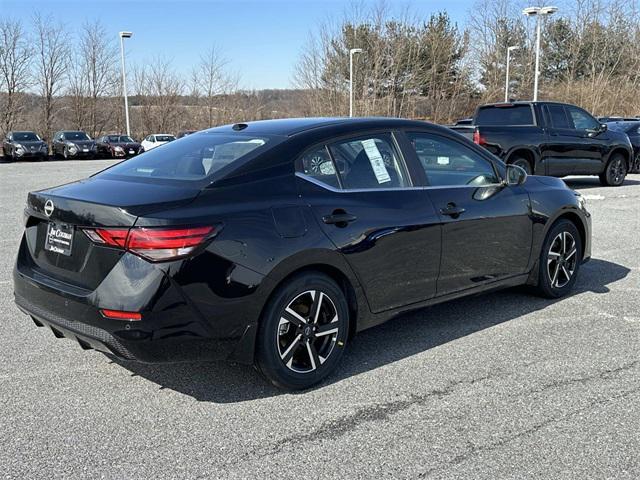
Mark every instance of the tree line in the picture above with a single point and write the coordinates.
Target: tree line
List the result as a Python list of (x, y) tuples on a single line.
[(410, 66)]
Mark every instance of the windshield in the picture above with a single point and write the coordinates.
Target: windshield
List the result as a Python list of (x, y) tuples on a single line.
[(25, 137), (119, 139), (165, 138), (193, 158), (76, 136)]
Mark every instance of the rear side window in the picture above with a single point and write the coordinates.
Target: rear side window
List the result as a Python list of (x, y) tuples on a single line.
[(558, 116), (318, 165), (369, 162), (447, 162), (193, 158), (504, 115)]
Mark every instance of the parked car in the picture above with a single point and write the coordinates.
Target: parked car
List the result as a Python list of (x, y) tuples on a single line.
[(464, 121), (224, 244), (23, 146), (117, 146), (72, 144), (184, 133), (549, 138), (632, 129), (155, 140)]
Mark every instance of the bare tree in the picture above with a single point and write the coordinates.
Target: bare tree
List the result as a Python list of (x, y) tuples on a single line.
[(159, 89), (211, 80), (98, 59), (15, 63), (52, 51)]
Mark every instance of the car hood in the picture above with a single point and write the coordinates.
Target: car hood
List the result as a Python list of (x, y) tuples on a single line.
[(125, 144), (29, 144), (82, 143)]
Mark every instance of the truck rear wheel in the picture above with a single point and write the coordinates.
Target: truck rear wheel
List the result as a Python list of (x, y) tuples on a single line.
[(523, 163)]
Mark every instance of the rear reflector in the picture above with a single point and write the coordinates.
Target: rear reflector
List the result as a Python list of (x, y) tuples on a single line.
[(155, 244), (120, 315)]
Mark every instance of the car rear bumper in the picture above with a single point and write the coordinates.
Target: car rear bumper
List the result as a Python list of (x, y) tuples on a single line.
[(171, 329)]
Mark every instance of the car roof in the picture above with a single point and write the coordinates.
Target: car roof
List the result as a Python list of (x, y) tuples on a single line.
[(293, 126)]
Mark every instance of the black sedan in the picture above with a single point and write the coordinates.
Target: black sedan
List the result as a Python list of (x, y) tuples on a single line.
[(632, 129), (24, 146), (73, 144), (233, 243), (117, 146)]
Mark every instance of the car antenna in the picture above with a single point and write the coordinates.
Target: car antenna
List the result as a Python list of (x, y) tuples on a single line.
[(240, 126)]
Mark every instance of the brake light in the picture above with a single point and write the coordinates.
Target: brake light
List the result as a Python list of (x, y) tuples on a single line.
[(120, 315), (155, 244), (477, 138)]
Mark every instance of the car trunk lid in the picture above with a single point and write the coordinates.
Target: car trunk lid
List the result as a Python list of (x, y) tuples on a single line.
[(55, 220)]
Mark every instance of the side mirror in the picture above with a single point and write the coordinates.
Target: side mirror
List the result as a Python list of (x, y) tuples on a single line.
[(515, 175)]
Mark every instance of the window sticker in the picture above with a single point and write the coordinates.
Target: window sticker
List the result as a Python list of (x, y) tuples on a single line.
[(443, 160), (377, 163)]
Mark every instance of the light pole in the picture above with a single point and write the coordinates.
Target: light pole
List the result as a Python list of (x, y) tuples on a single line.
[(538, 12), (124, 35), (506, 83), (351, 52)]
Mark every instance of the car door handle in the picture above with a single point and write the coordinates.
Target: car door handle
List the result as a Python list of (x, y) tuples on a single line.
[(452, 210), (339, 218)]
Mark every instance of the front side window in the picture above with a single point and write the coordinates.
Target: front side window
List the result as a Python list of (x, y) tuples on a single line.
[(447, 162), (369, 162), (582, 120), (197, 157)]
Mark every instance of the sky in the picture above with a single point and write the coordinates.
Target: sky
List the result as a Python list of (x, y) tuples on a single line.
[(261, 39)]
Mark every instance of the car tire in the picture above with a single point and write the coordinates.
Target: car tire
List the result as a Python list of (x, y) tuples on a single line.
[(615, 171), (636, 164), (523, 163), (559, 260), (298, 346)]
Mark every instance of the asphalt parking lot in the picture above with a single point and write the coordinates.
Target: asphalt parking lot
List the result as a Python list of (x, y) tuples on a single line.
[(505, 385)]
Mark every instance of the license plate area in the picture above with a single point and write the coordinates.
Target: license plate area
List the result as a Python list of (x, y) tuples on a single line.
[(59, 238)]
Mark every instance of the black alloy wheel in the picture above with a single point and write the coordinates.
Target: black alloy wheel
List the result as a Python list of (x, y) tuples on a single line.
[(559, 260), (524, 164), (303, 332), (615, 172)]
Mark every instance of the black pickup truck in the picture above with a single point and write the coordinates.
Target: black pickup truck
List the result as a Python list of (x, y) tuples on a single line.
[(549, 138)]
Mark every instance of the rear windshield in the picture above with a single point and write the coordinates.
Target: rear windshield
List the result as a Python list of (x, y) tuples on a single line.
[(25, 137), (504, 115), (192, 158)]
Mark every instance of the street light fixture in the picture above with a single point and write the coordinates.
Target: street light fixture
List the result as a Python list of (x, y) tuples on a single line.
[(538, 12), (124, 35), (351, 53), (506, 83)]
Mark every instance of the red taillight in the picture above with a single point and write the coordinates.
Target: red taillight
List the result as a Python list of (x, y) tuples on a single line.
[(120, 315), (159, 244), (477, 138), (114, 237), (155, 244)]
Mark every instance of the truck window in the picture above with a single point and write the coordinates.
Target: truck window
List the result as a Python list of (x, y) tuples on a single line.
[(558, 116), (509, 114), (582, 120)]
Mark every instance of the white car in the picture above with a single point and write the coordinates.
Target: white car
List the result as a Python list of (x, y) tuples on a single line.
[(155, 140)]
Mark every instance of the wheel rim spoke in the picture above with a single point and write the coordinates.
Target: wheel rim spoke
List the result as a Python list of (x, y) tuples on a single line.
[(316, 306), (288, 353), (292, 317), (571, 253), (313, 355)]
